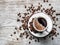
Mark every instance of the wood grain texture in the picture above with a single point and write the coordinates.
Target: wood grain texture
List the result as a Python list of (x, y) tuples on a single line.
[(8, 15)]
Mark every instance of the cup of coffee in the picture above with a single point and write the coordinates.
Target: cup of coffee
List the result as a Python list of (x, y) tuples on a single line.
[(40, 24)]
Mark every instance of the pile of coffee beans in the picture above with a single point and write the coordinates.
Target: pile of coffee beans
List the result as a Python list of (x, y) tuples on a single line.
[(30, 11)]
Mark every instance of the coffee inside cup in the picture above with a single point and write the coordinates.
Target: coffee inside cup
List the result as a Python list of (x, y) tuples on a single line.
[(40, 23)]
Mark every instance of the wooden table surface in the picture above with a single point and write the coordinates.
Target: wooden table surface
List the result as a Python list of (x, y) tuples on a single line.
[(8, 15)]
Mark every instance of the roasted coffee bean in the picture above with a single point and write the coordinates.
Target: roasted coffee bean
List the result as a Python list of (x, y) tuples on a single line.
[(53, 32), (14, 32), (23, 17), (25, 6), (45, 0), (27, 36), (31, 5), (21, 35), (11, 35), (56, 19), (20, 28), (18, 20), (17, 38), (29, 42), (41, 5), (49, 4), (49, 36), (16, 28), (31, 23), (52, 38), (57, 33), (53, 11), (43, 8), (38, 8), (33, 37), (51, 8), (30, 38), (55, 24), (19, 14), (57, 14), (25, 14), (35, 40), (38, 40), (53, 18), (59, 26), (22, 21)]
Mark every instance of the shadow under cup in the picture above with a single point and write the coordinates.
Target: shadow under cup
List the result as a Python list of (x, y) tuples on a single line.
[(40, 24)]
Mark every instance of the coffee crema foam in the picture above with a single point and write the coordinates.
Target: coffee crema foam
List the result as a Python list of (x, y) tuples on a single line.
[(40, 23)]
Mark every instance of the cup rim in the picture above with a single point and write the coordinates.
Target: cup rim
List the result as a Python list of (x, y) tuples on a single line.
[(38, 29)]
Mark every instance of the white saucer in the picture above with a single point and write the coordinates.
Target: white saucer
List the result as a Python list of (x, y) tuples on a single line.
[(49, 24)]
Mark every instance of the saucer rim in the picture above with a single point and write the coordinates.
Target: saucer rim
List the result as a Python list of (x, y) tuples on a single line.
[(39, 33)]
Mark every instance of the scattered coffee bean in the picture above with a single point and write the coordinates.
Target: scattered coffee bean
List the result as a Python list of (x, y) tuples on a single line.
[(17, 38), (41, 5), (38, 8), (52, 38), (57, 33), (53, 24), (20, 28), (25, 6), (49, 36), (45, 0), (11, 35), (16, 28), (56, 25), (51, 8), (43, 8), (19, 14), (27, 36), (22, 21), (18, 20), (25, 14), (53, 18), (29, 42), (59, 26), (56, 19), (21, 35), (14, 32), (57, 14), (53, 32), (30, 37), (35, 40), (38, 40), (31, 5), (49, 4), (23, 17)]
